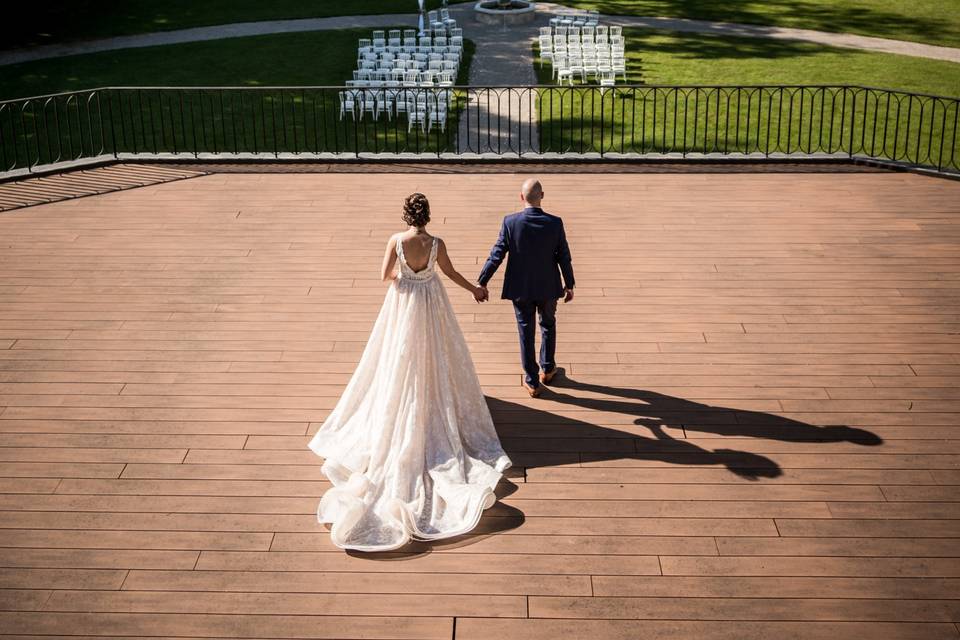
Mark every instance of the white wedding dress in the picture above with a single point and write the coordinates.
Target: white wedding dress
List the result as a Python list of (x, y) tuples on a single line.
[(410, 447)]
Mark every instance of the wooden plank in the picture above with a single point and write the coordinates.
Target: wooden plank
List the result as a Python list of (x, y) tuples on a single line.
[(786, 609), (208, 625), (544, 629), (355, 582)]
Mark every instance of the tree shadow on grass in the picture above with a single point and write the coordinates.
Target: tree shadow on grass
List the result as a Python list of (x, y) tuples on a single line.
[(822, 16)]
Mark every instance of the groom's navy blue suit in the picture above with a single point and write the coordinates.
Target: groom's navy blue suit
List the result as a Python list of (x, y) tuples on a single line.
[(539, 255)]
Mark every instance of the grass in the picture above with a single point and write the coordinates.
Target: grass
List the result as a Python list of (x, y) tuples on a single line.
[(655, 57), (685, 59), (307, 58), (196, 119), (930, 21), (37, 23)]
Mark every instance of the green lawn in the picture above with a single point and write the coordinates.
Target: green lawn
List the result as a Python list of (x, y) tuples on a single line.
[(644, 120), (65, 20), (930, 21), (307, 58), (656, 57), (260, 120)]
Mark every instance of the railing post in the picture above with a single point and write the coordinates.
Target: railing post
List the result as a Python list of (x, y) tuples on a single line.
[(356, 133), (602, 94), (113, 128), (853, 119)]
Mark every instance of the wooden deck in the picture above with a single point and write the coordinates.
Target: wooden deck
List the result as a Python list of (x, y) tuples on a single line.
[(758, 436)]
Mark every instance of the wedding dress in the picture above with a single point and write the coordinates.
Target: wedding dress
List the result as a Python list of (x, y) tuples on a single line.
[(410, 447)]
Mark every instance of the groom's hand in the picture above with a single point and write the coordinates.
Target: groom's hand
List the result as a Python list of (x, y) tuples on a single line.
[(567, 295)]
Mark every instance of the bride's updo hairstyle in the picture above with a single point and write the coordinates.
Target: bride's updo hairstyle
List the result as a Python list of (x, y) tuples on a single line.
[(416, 210)]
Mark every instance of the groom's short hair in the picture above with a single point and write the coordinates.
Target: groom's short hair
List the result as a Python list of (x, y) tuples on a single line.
[(531, 187)]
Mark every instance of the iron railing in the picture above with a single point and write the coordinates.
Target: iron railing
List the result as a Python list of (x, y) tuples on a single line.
[(629, 121)]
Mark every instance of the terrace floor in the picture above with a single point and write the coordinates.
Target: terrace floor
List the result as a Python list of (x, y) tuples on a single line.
[(758, 433)]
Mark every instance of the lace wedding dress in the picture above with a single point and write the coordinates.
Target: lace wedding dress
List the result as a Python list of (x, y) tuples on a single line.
[(410, 447)]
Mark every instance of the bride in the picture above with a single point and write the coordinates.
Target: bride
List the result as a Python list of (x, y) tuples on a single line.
[(410, 447)]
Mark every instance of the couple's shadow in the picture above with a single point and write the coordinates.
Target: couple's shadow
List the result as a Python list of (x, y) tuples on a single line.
[(535, 438)]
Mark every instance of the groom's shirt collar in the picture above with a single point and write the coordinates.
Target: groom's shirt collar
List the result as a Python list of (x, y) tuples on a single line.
[(532, 209)]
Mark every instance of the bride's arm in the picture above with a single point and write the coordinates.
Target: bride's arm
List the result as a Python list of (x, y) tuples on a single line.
[(389, 261), (443, 259)]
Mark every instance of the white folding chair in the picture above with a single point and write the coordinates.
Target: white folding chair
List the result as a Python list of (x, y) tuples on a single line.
[(620, 66), (563, 71), (368, 102), (437, 113), (416, 111), (590, 67), (576, 67), (348, 102)]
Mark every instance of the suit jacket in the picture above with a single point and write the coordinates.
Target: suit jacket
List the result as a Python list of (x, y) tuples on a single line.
[(537, 244)]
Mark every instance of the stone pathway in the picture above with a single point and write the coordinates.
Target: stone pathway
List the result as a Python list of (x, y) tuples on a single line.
[(497, 119), (463, 14)]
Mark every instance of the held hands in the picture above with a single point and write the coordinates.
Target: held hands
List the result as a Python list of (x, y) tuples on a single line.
[(567, 295), (480, 294)]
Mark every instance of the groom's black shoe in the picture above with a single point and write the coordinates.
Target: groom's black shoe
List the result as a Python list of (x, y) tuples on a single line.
[(533, 391)]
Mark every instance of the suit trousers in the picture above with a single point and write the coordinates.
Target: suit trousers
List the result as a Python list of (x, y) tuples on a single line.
[(526, 312)]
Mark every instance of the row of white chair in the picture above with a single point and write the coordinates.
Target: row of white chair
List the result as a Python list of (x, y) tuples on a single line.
[(590, 19), (390, 58), (408, 65), (422, 108), (596, 30), (548, 54), (411, 48), (410, 33), (546, 42), (405, 76), (568, 68), (421, 79), (382, 43)]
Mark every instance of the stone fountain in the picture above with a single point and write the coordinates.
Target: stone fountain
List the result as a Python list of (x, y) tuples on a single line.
[(505, 12)]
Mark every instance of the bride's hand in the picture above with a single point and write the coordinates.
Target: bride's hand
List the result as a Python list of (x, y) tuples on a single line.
[(479, 294)]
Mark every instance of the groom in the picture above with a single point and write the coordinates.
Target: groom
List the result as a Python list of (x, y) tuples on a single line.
[(537, 245)]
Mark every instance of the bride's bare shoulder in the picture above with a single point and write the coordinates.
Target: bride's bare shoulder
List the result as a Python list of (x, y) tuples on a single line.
[(393, 241)]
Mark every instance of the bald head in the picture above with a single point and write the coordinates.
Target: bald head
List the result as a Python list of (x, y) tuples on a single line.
[(531, 192)]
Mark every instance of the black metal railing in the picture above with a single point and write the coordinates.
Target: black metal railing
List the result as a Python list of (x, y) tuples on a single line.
[(913, 129)]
